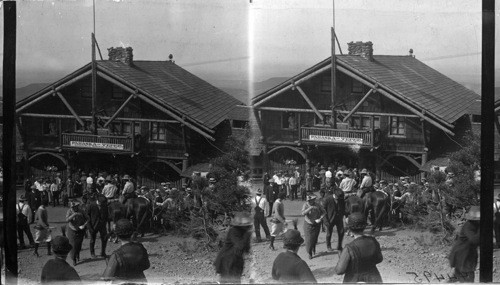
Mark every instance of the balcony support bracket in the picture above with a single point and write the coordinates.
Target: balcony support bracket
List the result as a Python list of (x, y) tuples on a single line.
[(120, 109), (72, 111), (309, 102), (373, 90)]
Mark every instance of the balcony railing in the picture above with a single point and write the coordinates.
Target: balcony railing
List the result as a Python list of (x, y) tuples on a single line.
[(116, 144), (337, 136)]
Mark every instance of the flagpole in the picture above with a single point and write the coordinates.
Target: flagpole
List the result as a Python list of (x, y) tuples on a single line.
[(333, 75), (94, 74)]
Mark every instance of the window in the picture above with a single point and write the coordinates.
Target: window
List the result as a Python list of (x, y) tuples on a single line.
[(117, 93), (326, 83), (137, 128), (50, 127), (327, 120), (397, 126), (357, 87), (158, 132), (288, 121), (376, 123), (238, 124)]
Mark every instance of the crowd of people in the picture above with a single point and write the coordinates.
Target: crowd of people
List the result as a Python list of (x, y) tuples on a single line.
[(357, 260)]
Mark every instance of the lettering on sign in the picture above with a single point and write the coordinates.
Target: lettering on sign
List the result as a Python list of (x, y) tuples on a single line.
[(97, 145), (336, 139)]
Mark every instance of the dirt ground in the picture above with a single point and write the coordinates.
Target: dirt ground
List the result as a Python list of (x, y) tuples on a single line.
[(409, 257)]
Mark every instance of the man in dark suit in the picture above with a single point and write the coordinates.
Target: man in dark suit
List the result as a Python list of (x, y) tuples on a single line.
[(269, 193), (97, 212), (334, 207)]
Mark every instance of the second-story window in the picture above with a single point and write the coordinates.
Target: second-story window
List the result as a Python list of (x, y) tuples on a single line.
[(289, 121), (158, 132), (50, 127), (397, 126)]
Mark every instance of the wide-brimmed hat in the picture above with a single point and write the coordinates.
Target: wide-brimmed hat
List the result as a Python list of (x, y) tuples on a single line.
[(124, 228), (212, 180), (126, 177), (297, 168), (241, 219), (22, 198), (311, 197), (356, 221), (364, 171), (259, 192), (292, 238), (474, 214), (347, 173), (61, 245)]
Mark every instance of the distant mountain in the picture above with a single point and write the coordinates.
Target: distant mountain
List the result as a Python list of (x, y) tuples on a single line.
[(28, 90), (239, 88)]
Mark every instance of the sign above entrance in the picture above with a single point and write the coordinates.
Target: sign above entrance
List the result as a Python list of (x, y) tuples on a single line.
[(336, 139), (97, 145)]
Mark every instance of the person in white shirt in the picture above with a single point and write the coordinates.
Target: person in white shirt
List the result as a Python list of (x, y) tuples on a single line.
[(293, 187), (260, 210), (90, 182), (366, 182), (348, 183), (328, 177), (496, 223), (23, 222)]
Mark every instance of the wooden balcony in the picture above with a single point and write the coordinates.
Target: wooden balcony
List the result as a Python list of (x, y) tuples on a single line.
[(316, 135), (89, 142)]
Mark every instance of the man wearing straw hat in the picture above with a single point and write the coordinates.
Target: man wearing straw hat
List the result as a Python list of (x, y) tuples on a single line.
[(313, 214), (57, 269), (260, 209), (229, 262), (463, 255), (288, 267)]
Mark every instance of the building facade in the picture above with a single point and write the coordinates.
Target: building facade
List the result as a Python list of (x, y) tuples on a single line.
[(153, 120), (392, 114)]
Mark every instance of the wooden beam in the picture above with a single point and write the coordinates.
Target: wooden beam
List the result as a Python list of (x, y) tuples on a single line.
[(35, 115), (191, 126), (70, 109), (373, 90), (288, 87), (399, 101), (279, 109), (48, 93), (119, 109), (309, 102), (153, 103), (382, 114)]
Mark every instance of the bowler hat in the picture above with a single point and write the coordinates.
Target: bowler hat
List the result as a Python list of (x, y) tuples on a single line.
[(271, 180), (61, 245), (356, 221), (364, 171), (296, 167), (188, 190), (292, 238), (474, 214), (124, 228), (242, 219)]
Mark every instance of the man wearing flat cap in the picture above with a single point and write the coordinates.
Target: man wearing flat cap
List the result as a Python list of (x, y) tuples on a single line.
[(463, 256), (57, 269)]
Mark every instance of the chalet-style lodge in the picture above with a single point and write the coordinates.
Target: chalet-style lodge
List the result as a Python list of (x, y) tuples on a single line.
[(154, 119), (393, 115)]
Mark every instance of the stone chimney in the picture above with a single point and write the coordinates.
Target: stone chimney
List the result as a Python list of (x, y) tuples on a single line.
[(365, 50), (124, 55)]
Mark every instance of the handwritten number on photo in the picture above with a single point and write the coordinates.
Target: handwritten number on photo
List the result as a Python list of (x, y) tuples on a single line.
[(419, 280)]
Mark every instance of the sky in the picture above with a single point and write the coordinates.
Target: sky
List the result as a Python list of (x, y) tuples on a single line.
[(239, 40)]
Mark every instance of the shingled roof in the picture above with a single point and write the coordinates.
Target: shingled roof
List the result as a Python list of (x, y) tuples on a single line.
[(405, 77), (169, 84)]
